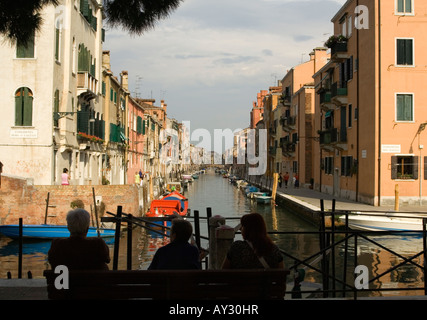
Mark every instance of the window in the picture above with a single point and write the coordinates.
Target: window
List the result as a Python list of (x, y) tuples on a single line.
[(349, 26), (404, 167), (350, 117), (346, 165), (405, 52), (404, 107), (57, 43), (25, 50), (23, 107), (328, 165), (56, 107), (404, 6)]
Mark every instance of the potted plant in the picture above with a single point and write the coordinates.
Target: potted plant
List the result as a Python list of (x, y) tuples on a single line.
[(333, 40)]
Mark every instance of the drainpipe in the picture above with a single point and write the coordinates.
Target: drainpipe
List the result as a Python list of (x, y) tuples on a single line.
[(379, 102), (358, 114)]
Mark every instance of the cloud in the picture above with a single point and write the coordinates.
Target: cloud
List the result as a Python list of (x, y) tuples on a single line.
[(210, 58)]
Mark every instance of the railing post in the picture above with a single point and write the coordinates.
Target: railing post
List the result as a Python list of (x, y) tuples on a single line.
[(129, 242), (197, 227), (117, 237), (20, 249)]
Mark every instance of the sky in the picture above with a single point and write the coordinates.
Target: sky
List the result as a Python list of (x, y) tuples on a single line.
[(210, 58)]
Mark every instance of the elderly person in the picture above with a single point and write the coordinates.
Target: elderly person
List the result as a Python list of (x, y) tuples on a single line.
[(79, 252)]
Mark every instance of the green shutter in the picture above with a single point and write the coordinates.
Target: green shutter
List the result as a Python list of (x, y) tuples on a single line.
[(19, 102), (408, 6), (143, 127), (400, 6), (139, 125), (25, 50), (83, 121), (57, 34)]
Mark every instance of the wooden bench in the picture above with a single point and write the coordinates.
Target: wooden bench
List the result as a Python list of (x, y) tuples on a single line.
[(171, 284)]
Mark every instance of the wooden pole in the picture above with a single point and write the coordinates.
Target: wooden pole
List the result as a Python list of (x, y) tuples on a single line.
[(275, 177), (47, 206), (96, 212)]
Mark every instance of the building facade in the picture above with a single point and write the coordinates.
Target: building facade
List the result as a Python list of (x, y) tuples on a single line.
[(50, 88), (371, 95)]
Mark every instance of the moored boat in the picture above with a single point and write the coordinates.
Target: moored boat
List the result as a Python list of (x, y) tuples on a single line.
[(49, 231), (174, 195), (263, 198), (387, 222)]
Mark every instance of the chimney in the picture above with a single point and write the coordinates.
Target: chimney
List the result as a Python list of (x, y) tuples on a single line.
[(124, 80), (106, 59)]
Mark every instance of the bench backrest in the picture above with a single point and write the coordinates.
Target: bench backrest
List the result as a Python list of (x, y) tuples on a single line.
[(171, 284)]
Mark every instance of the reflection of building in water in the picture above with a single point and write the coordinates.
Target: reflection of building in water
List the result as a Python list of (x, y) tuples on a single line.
[(380, 261)]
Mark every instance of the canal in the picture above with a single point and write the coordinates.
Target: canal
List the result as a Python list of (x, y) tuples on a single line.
[(294, 236)]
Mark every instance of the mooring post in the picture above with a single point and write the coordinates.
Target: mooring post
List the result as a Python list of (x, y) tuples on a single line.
[(224, 238), (214, 222)]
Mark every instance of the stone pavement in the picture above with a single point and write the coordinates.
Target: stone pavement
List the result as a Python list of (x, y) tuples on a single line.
[(311, 198)]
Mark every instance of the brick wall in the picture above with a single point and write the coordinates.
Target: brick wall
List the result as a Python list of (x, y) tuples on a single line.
[(20, 199)]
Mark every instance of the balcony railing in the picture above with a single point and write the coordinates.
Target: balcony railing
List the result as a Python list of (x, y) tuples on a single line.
[(339, 47), (335, 91)]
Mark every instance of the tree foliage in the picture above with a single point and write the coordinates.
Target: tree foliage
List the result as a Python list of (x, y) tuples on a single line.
[(19, 19)]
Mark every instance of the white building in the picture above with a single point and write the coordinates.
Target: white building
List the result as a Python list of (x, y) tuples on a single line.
[(50, 92)]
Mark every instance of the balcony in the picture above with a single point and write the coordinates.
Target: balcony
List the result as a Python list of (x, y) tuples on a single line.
[(325, 100), (332, 139), (339, 95), (87, 85), (288, 149), (339, 52), (289, 123)]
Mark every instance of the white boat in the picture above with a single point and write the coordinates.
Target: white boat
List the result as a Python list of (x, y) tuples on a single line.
[(386, 222)]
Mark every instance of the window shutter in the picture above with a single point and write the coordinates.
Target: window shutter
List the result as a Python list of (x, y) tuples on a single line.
[(400, 51), (393, 167), (400, 6), (27, 108), (408, 52), (83, 121), (143, 126), (415, 166), (102, 133), (425, 168), (19, 102)]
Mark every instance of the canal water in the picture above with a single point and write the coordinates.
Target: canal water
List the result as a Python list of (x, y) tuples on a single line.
[(294, 236)]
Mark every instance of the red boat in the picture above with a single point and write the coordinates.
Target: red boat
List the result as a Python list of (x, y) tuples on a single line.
[(171, 204), (176, 196)]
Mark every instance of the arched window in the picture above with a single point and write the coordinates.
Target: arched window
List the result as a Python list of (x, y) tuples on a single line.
[(23, 107)]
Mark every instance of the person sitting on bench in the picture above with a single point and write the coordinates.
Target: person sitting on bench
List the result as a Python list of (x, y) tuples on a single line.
[(179, 253), (79, 252)]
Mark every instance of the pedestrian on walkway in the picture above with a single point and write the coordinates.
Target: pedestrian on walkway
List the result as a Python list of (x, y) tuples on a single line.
[(286, 178), (137, 178), (280, 180)]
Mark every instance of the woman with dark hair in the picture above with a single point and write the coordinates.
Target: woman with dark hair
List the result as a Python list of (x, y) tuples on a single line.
[(257, 250)]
